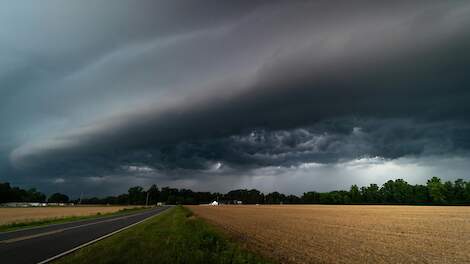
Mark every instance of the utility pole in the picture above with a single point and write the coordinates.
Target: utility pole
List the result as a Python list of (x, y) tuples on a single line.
[(147, 200)]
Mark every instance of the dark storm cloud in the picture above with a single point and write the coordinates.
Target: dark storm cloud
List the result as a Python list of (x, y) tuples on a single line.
[(43, 44), (165, 89)]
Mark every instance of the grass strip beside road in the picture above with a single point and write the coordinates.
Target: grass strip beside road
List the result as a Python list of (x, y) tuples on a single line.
[(61, 220), (174, 236)]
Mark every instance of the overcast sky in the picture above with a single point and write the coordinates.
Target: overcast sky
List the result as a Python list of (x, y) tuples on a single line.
[(97, 96)]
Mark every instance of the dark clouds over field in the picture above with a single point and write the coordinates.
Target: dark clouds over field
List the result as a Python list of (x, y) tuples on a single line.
[(291, 96)]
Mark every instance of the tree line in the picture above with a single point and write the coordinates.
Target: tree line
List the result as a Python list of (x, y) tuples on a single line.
[(16, 194), (392, 192)]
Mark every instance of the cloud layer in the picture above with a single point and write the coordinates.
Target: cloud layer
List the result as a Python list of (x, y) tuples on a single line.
[(174, 91)]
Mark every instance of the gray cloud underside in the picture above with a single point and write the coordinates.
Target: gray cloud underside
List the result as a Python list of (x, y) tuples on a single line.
[(249, 86)]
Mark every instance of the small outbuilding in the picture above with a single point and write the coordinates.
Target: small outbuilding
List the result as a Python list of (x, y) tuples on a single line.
[(214, 203)]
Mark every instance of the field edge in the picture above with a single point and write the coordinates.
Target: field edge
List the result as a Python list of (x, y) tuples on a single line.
[(21, 225), (174, 236)]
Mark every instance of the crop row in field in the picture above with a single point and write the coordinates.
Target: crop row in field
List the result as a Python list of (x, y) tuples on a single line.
[(348, 234)]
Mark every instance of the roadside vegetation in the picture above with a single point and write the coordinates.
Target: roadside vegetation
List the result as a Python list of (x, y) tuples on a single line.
[(60, 220), (175, 236)]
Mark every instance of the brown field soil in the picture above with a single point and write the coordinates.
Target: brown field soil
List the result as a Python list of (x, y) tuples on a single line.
[(348, 234), (20, 215)]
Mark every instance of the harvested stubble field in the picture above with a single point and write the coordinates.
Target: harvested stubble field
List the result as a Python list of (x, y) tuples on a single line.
[(16, 215), (348, 234)]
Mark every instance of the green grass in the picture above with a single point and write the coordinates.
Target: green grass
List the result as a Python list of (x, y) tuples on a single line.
[(61, 220), (174, 236)]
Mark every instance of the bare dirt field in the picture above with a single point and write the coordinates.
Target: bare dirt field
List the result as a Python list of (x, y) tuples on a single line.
[(348, 234), (16, 215)]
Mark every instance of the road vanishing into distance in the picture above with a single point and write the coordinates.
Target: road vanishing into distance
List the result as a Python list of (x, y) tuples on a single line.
[(42, 244)]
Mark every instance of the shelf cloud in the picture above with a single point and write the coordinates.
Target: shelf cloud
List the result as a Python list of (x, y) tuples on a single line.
[(179, 93)]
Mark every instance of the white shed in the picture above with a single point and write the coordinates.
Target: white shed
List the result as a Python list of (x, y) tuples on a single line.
[(215, 203)]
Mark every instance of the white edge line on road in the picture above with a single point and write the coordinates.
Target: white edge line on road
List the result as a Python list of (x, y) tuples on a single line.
[(12, 240), (97, 239), (65, 223)]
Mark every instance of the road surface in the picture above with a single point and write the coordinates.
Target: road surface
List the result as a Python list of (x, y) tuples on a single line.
[(42, 243)]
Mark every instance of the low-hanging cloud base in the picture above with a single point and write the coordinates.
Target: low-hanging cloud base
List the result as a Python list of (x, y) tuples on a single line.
[(274, 95)]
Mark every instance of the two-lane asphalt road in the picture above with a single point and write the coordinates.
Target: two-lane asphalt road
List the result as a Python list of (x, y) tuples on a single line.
[(40, 244)]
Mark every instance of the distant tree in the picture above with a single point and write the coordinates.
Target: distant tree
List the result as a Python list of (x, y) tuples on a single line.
[(15, 194), (5, 192), (467, 191), (252, 196), (326, 198), (123, 199), (371, 194), (403, 192), (310, 198), (153, 194), (186, 196), (205, 197), (436, 190), (355, 194), (459, 188), (398, 191), (275, 198), (32, 195), (335, 197), (58, 198), (164, 194), (255, 197), (449, 192), (292, 199), (136, 195), (387, 191), (420, 194), (172, 199)]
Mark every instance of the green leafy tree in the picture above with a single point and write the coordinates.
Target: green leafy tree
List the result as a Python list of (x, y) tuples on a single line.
[(58, 198), (275, 198), (403, 192), (467, 191), (398, 191), (310, 198), (420, 194), (449, 192), (355, 194), (136, 195), (5, 192), (153, 194), (32, 195), (292, 199), (459, 190), (371, 194), (436, 190)]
